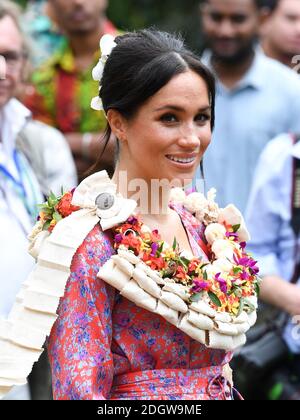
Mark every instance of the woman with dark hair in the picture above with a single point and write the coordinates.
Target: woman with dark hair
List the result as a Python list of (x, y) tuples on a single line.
[(141, 319)]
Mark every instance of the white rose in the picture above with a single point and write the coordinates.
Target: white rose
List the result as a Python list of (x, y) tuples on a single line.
[(177, 195), (243, 234), (107, 44), (195, 202), (145, 229), (222, 265), (214, 231), (223, 249), (211, 270), (97, 71), (208, 214), (211, 195), (232, 216)]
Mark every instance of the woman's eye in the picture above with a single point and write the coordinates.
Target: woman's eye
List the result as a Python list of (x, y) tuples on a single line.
[(202, 118), (169, 118)]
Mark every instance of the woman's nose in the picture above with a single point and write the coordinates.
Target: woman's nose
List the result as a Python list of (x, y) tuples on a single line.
[(189, 139)]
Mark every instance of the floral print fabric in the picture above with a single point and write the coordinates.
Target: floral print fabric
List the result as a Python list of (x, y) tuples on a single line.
[(103, 346)]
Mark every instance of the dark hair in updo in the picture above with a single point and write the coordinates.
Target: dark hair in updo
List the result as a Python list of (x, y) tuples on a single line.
[(140, 65)]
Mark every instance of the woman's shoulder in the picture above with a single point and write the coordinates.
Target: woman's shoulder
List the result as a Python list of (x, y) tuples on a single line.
[(67, 220)]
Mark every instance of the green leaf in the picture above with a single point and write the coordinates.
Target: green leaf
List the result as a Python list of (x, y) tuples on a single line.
[(237, 270), (185, 261), (174, 244), (182, 261), (205, 275), (236, 228), (46, 225), (204, 265), (41, 206), (241, 307), (238, 292), (52, 200), (52, 196), (257, 289), (214, 298), (47, 211), (231, 292), (159, 251), (196, 297), (249, 305), (56, 216)]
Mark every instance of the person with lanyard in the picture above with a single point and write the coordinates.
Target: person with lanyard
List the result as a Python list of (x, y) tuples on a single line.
[(274, 227), (20, 170)]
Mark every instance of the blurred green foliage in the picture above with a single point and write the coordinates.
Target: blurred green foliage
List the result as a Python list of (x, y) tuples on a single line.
[(171, 15)]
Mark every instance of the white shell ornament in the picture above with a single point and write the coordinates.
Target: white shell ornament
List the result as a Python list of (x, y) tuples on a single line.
[(107, 44), (97, 104)]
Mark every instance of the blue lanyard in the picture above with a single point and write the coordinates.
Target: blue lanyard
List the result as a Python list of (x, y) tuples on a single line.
[(19, 185)]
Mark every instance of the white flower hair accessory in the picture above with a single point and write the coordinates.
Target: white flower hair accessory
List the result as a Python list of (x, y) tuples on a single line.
[(107, 44)]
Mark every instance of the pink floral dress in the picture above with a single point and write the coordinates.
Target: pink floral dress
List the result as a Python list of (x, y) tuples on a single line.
[(103, 346)]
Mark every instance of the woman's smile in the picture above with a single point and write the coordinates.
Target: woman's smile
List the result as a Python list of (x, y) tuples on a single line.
[(182, 161)]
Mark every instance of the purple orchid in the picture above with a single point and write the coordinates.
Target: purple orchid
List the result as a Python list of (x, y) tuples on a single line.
[(132, 220), (222, 283), (199, 286), (247, 262), (118, 238), (154, 248), (244, 275), (232, 234)]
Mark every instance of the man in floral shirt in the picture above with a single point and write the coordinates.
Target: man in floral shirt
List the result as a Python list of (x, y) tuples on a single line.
[(62, 88)]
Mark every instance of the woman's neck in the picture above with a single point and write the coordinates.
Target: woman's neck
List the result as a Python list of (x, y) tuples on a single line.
[(152, 197)]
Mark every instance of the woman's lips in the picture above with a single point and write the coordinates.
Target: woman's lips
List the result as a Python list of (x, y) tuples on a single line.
[(182, 161)]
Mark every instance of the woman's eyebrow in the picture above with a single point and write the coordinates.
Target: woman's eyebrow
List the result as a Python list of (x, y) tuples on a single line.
[(179, 109)]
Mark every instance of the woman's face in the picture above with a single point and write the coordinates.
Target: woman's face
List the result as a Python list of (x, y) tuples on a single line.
[(168, 136)]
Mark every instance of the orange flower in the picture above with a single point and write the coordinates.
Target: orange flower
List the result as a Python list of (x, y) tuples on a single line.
[(180, 273), (155, 263), (155, 236), (52, 225), (132, 242), (64, 207), (193, 265)]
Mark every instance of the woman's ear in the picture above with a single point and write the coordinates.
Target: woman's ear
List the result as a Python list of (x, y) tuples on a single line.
[(118, 124)]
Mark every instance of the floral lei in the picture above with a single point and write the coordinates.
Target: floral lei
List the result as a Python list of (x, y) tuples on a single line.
[(229, 278)]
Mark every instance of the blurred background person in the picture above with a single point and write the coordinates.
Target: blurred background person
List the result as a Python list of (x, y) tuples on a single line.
[(24, 160), (257, 97), (39, 23), (280, 32), (62, 88), (274, 226)]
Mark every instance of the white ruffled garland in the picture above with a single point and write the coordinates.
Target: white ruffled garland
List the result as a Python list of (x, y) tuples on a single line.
[(145, 287), (23, 334)]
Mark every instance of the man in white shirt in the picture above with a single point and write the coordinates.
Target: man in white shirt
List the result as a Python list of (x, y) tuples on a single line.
[(20, 191)]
